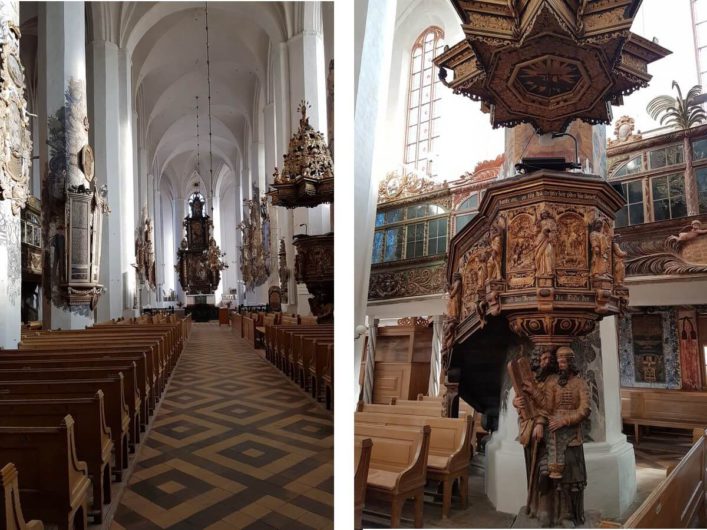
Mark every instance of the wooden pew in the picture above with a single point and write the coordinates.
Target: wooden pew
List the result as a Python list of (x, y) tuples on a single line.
[(53, 483), (130, 391), (328, 377), (293, 346), (362, 461), (398, 469), (450, 449), (399, 409), (69, 357), (678, 501), (317, 367), (157, 375), (431, 408), (663, 408), (11, 509), (92, 435), (116, 411)]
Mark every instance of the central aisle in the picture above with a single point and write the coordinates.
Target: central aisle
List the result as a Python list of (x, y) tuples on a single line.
[(235, 444)]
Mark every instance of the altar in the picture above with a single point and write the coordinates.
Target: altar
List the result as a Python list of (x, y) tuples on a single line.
[(194, 299)]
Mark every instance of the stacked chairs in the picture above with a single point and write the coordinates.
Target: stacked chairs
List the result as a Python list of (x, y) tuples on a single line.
[(440, 450), (304, 351), (72, 407)]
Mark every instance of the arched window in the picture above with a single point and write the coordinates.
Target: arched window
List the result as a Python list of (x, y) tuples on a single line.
[(424, 91), (466, 211)]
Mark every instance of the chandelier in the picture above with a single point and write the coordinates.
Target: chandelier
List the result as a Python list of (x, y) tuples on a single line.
[(213, 253)]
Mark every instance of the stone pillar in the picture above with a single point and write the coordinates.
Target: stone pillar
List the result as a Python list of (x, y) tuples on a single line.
[(523, 142), (62, 38), (308, 73), (106, 132), (609, 458), (371, 95), (10, 238), (610, 461)]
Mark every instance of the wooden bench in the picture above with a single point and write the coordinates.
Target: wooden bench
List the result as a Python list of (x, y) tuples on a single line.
[(663, 408), (398, 469), (11, 509), (155, 367), (328, 377), (399, 409), (92, 435), (678, 501), (362, 461), (69, 358), (116, 411), (450, 450), (53, 484), (130, 391), (318, 366)]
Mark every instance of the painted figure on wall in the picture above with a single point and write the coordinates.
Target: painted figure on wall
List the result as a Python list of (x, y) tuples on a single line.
[(689, 352)]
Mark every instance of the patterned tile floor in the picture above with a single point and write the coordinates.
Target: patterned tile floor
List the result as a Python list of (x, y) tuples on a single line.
[(235, 444)]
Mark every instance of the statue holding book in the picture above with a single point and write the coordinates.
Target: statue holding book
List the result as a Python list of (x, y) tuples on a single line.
[(555, 404)]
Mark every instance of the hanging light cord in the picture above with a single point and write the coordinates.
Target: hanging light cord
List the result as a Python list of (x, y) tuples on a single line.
[(198, 169), (208, 80)]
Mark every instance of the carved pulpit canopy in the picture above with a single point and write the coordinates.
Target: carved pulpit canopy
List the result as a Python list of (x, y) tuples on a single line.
[(548, 62), (307, 177)]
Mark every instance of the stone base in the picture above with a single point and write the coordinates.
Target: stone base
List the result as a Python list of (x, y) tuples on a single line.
[(592, 519), (611, 476)]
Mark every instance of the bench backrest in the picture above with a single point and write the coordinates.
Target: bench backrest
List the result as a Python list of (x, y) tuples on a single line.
[(665, 405), (10, 509), (395, 449), (678, 501), (399, 409), (447, 436)]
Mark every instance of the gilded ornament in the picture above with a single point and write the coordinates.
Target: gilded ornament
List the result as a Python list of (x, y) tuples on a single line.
[(87, 161)]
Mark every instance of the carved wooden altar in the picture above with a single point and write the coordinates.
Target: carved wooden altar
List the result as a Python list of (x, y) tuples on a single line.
[(199, 261)]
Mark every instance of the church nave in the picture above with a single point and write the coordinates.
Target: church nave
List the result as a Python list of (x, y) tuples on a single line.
[(234, 444)]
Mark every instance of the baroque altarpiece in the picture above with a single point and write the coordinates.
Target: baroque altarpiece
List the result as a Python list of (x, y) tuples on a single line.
[(199, 261)]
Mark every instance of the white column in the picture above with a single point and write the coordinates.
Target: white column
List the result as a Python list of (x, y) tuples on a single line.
[(611, 465), (371, 93), (178, 231), (62, 39), (10, 240), (308, 82), (106, 131), (127, 183)]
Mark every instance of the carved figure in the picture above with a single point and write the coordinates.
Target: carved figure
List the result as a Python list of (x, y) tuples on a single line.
[(564, 404), (481, 271), (695, 231), (493, 265), (600, 249), (454, 306), (544, 253), (619, 265), (540, 492)]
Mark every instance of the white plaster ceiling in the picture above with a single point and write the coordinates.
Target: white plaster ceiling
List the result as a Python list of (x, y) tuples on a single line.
[(167, 42)]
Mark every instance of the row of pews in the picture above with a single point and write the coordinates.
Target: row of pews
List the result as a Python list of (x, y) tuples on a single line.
[(297, 345), (402, 446), (73, 405)]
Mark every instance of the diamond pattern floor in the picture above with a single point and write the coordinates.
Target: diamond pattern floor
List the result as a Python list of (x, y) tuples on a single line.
[(234, 445)]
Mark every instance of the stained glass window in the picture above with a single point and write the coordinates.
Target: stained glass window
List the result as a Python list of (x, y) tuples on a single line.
[(424, 93)]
